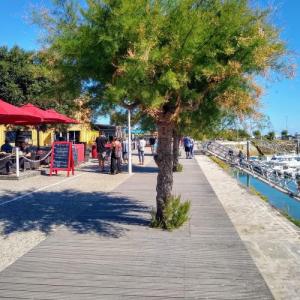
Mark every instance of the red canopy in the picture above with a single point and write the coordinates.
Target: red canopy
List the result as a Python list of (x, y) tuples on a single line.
[(47, 118), (66, 119), (10, 114)]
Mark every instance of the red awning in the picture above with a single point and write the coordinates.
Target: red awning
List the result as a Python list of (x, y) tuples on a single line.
[(47, 118), (66, 119), (10, 114)]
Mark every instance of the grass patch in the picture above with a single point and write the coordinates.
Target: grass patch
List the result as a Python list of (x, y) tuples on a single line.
[(176, 213), (283, 212), (290, 218), (220, 163), (178, 168), (253, 191)]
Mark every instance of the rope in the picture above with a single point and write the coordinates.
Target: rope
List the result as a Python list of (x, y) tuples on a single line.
[(39, 160), (5, 157)]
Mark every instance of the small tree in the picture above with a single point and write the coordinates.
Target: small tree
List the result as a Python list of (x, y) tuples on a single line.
[(257, 134), (166, 58), (271, 135), (284, 134)]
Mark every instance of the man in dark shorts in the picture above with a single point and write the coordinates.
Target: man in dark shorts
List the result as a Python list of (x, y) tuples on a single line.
[(187, 146), (152, 141), (101, 141)]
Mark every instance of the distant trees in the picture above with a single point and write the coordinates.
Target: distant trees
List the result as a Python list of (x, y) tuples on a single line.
[(27, 76), (284, 134), (257, 134), (270, 136), (21, 79)]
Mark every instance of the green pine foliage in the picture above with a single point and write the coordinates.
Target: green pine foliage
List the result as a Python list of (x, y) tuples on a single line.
[(176, 213), (178, 168), (181, 62), (169, 56)]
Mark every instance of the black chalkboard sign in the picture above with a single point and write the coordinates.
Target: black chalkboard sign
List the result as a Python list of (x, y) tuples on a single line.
[(62, 157)]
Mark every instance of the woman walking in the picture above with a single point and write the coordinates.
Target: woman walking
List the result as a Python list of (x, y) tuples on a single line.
[(141, 150), (113, 157)]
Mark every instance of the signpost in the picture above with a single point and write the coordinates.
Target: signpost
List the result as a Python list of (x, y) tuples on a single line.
[(62, 158), (129, 144)]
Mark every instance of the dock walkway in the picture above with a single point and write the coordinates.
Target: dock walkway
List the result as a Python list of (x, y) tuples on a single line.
[(108, 251)]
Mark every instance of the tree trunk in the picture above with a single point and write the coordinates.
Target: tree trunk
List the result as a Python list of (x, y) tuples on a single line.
[(164, 160), (175, 150)]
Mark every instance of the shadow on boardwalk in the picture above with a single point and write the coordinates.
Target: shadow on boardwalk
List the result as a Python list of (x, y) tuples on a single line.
[(98, 213), (135, 169)]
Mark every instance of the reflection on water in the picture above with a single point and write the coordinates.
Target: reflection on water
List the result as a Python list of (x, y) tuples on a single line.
[(276, 198)]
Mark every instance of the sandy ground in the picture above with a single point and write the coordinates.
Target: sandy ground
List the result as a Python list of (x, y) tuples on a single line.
[(20, 233), (272, 240)]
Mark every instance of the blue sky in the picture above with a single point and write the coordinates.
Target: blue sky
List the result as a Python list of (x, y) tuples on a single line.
[(280, 101)]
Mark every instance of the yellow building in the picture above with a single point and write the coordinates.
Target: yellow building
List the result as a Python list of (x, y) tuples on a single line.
[(82, 132)]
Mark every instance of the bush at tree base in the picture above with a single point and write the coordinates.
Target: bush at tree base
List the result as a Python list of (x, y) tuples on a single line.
[(176, 213)]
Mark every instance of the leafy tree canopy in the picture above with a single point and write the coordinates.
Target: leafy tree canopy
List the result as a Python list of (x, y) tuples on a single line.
[(166, 56), (27, 76), (21, 79), (270, 136), (257, 134)]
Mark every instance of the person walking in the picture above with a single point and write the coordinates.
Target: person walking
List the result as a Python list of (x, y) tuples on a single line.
[(152, 141), (141, 150), (192, 147), (113, 156), (118, 146), (101, 141), (125, 150), (187, 145), (241, 157)]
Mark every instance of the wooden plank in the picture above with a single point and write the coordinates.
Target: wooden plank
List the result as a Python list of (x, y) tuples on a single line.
[(203, 260)]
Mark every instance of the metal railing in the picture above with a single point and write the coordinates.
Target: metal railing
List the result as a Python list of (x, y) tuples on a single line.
[(257, 168)]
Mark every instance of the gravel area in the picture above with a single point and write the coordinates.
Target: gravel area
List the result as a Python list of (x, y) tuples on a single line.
[(272, 240), (32, 208)]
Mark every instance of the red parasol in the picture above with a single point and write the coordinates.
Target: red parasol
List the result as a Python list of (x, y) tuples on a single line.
[(10, 114), (66, 119), (47, 118)]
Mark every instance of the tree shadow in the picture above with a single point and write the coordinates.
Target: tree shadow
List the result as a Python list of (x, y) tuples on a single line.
[(144, 169), (97, 213), (135, 168)]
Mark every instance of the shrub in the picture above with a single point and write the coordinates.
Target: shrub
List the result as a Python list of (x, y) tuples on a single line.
[(176, 213), (178, 168), (290, 218)]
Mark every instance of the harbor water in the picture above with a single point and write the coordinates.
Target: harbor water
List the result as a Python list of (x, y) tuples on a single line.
[(279, 200)]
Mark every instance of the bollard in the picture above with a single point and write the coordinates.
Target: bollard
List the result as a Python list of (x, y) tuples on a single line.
[(248, 150), (17, 162)]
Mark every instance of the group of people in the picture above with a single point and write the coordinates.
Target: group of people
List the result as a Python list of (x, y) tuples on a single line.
[(117, 150), (111, 147), (24, 151), (188, 144)]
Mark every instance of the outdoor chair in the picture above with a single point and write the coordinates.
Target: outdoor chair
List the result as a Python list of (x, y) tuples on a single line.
[(4, 163)]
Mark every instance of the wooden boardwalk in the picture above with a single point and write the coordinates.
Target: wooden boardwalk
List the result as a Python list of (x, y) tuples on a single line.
[(125, 259)]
